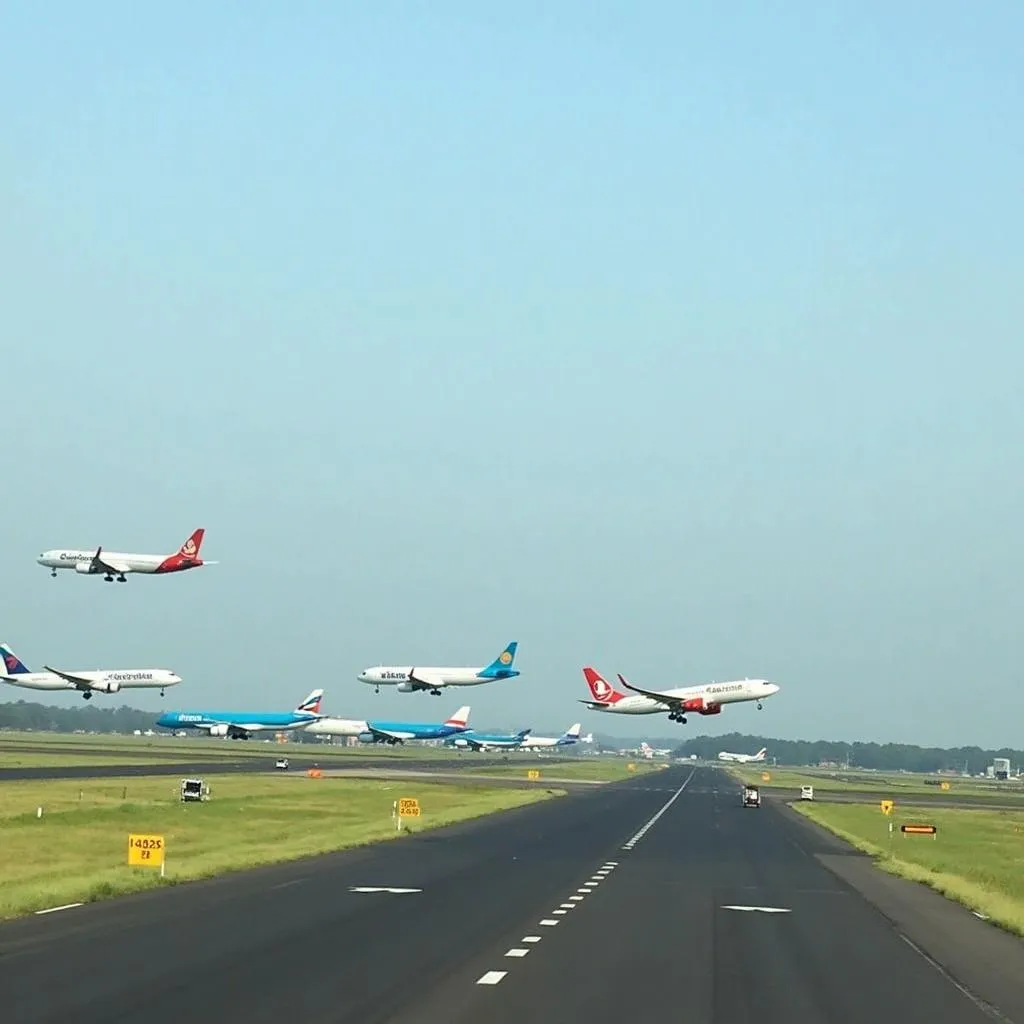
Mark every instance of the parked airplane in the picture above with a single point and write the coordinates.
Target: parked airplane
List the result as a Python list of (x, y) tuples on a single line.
[(240, 725), (378, 731), (706, 699), (409, 679), (487, 740), (567, 739), (116, 564), (87, 683), (724, 755)]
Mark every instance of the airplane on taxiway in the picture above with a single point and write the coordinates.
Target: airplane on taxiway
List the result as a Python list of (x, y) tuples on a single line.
[(725, 755), (706, 699), (409, 679), (240, 725), (478, 741), (88, 682), (114, 564), (567, 739), (379, 731)]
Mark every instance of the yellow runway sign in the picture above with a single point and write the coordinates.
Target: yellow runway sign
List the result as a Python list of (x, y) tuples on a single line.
[(146, 851)]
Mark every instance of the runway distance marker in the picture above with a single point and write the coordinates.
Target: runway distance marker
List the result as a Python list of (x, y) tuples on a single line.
[(532, 773), (762, 910), (146, 851), (409, 807)]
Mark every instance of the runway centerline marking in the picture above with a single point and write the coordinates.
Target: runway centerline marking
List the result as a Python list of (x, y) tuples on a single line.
[(517, 952), (381, 888), (668, 803), (531, 938), (763, 910), (549, 921), (491, 977)]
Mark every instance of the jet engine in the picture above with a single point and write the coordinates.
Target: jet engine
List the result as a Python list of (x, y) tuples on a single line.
[(107, 687), (701, 707), (366, 737), (83, 567), (219, 730), (405, 687)]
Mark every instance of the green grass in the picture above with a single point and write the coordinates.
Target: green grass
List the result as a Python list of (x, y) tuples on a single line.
[(892, 785), (977, 857), (30, 759), (597, 770), (77, 851)]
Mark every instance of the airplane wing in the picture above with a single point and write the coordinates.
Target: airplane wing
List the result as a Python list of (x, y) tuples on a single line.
[(669, 702), (105, 564), (391, 734), (77, 681), (425, 679)]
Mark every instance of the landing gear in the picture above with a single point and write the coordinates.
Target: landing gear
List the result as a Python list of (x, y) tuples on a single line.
[(162, 694), (760, 706), (109, 578), (121, 578), (53, 573), (435, 693), (677, 716), (376, 689), (87, 695)]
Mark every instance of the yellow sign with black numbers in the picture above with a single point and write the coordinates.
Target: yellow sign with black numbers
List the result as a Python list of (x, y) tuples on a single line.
[(408, 807), (145, 851), (533, 773), (886, 806)]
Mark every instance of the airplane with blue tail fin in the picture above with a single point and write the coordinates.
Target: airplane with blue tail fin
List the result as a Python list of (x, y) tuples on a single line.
[(487, 740), (410, 678), (380, 731)]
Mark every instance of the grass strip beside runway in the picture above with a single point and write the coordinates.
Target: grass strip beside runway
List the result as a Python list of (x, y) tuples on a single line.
[(976, 857), (77, 851)]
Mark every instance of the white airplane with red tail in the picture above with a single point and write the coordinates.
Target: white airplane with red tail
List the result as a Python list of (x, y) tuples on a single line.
[(114, 564), (706, 699)]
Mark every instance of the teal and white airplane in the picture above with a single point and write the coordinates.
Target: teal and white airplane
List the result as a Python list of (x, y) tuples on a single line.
[(522, 740), (240, 725)]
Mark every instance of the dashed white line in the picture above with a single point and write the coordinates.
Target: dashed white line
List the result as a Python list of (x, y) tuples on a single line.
[(549, 921), (583, 892), (576, 899), (668, 803), (491, 977), (557, 912), (517, 952), (567, 906), (531, 938), (53, 910)]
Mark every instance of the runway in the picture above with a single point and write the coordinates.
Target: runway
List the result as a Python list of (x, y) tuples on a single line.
[(633, 899)]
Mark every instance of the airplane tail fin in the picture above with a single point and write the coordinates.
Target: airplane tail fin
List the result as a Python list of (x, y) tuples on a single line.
[(190, 549), (311, 705), (501, 667), (600, 689), (761, 754), (13, 665), (460, 719), (573, 732), (523, 733)]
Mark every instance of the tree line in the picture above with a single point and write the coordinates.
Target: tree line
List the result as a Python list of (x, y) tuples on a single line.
[(881, 756)]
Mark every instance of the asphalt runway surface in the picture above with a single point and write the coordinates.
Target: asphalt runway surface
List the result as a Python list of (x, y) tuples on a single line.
[(656, 898)]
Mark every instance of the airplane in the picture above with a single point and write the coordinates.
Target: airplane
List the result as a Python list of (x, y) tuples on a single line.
[(706, 699), (114, 564), (87, 682), (410, 679), (240, 725), (567, 739), (724, 755), (391, 732), (478, 741)]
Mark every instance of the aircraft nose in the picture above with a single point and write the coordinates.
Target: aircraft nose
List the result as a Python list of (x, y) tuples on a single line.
[(773, 688)]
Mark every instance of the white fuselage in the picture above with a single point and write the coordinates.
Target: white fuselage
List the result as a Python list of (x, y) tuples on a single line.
[(734, 692), (337, 727), (103, 681), (724, 755), (397, 675), (539, 742), (66, 558)]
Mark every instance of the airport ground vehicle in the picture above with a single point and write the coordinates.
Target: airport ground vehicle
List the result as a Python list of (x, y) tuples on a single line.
[(751, 796), (806, 792), (281, 763)]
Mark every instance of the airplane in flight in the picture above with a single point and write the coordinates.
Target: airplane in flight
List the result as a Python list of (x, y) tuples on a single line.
[(567, 739), (114, 564), (88, 682), (478, 741), (724, 755), (706, 699), (241, 725), (409, 679), (378, 731)]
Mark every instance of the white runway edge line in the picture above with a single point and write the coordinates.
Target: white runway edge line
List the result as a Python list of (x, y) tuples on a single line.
[(668, 803), (66, 906)]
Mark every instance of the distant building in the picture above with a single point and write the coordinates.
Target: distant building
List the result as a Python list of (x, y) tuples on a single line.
[(1001, 767)]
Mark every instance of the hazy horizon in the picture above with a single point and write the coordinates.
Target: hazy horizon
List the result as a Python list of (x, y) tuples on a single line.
[(681, 345)]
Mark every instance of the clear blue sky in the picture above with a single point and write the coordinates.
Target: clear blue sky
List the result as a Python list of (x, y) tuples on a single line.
[(679, 341)]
